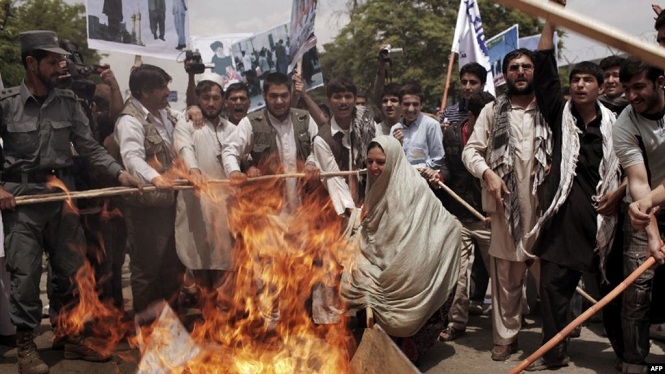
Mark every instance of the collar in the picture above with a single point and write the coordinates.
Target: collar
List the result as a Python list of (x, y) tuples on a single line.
[(654, 117), (146, 113), (416, 122), (275, 121), (580, 121), (532, 105), (334, 127), (25, 93), (222, 123)]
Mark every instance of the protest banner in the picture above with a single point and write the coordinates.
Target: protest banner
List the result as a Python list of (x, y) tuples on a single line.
[(468, 44), (262, 53), (215, 50), (301, 32), (499, 46), (158, 28)]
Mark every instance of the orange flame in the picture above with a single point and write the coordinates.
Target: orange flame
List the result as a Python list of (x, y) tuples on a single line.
[(53, 182), (260, 320), (101, 322)]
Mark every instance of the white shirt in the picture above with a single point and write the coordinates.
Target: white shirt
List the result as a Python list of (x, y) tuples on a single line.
[(202, 148), (422, 142), (338, 188), (241, 142), (130, 137), (247, 62)]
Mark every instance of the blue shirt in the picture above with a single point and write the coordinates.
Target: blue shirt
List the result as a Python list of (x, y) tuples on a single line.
[(423, 142)]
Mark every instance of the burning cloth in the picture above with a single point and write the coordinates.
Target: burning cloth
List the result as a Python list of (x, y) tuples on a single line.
[(408, 248)]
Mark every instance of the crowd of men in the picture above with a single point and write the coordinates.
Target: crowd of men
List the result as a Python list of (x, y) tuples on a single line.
[(535, 164)]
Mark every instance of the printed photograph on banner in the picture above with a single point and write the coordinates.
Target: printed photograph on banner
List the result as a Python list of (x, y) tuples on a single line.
[(266, 52), (158, 28), (499, 46), (301, 31), (217, 55)]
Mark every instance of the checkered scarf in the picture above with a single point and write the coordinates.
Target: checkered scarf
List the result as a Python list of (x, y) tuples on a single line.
[(502, 156), (608, 171)]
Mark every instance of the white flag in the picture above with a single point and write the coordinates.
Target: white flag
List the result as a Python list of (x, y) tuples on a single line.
[(469, 40)]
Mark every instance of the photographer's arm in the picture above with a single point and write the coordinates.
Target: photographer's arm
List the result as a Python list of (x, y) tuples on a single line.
[(191, 90), (116, 102), (379, 82)]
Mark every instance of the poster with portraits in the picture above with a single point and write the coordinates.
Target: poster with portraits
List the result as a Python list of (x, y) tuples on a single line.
[(301, 30), (215, 51), (264, 53), (157, 28)]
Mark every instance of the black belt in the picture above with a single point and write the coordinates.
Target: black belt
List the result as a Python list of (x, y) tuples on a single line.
[(39, 176)]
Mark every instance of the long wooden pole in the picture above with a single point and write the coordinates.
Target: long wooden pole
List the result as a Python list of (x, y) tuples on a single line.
[(179, 185), (584, 316), (461, 201), (648, 52), (449, 74)]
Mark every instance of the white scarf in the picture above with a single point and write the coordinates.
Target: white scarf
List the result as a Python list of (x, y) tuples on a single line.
[(608, 170), (409, 248)]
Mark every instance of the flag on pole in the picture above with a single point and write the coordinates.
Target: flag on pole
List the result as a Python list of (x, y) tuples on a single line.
[(469, 40)]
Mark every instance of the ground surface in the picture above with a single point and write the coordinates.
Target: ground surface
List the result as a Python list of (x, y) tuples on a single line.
[(591, 353)]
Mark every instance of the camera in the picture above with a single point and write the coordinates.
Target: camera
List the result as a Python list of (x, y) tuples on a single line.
[(78, 72), (193, 62), (75, 64), (388, 53)]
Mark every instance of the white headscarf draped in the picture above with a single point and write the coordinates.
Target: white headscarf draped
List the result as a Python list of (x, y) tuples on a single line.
[(409, 248)]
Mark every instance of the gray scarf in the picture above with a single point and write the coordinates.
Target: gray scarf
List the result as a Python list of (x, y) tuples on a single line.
[(502, 155)]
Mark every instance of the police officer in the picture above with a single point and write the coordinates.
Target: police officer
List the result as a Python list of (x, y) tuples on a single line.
[(37, 127)]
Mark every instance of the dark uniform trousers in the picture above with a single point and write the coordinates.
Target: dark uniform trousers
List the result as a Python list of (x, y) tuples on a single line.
[(155, 266), (28, 229)]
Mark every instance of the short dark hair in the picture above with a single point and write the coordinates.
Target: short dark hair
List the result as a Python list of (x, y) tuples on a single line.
[(37, 54), (233, 87), (325, 109), (660, 21), (588, 67), (476, 69), (516, 54), (391, 89), (340, 85), (478, 100), (634, 67), (205, 86), (611, 62), (411, 89), (147, 77), (276, 79)]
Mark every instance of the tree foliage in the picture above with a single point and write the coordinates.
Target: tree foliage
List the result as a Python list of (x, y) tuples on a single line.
[(424, 29), (67, 20)]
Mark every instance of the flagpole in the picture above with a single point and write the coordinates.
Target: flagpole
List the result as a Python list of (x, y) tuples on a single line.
[(451, 62)]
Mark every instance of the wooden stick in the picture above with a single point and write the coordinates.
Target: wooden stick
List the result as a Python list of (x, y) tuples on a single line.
[(585, 295), (449, 73), (648, 52), (179, 185), (461, 201), (369, 317), (302, 175), (584, 316)]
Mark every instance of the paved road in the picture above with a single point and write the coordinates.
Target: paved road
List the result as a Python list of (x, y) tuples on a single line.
[(591, 353)]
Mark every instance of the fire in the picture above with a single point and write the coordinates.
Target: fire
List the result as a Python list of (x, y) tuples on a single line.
[(260, 320), (53, 182)]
